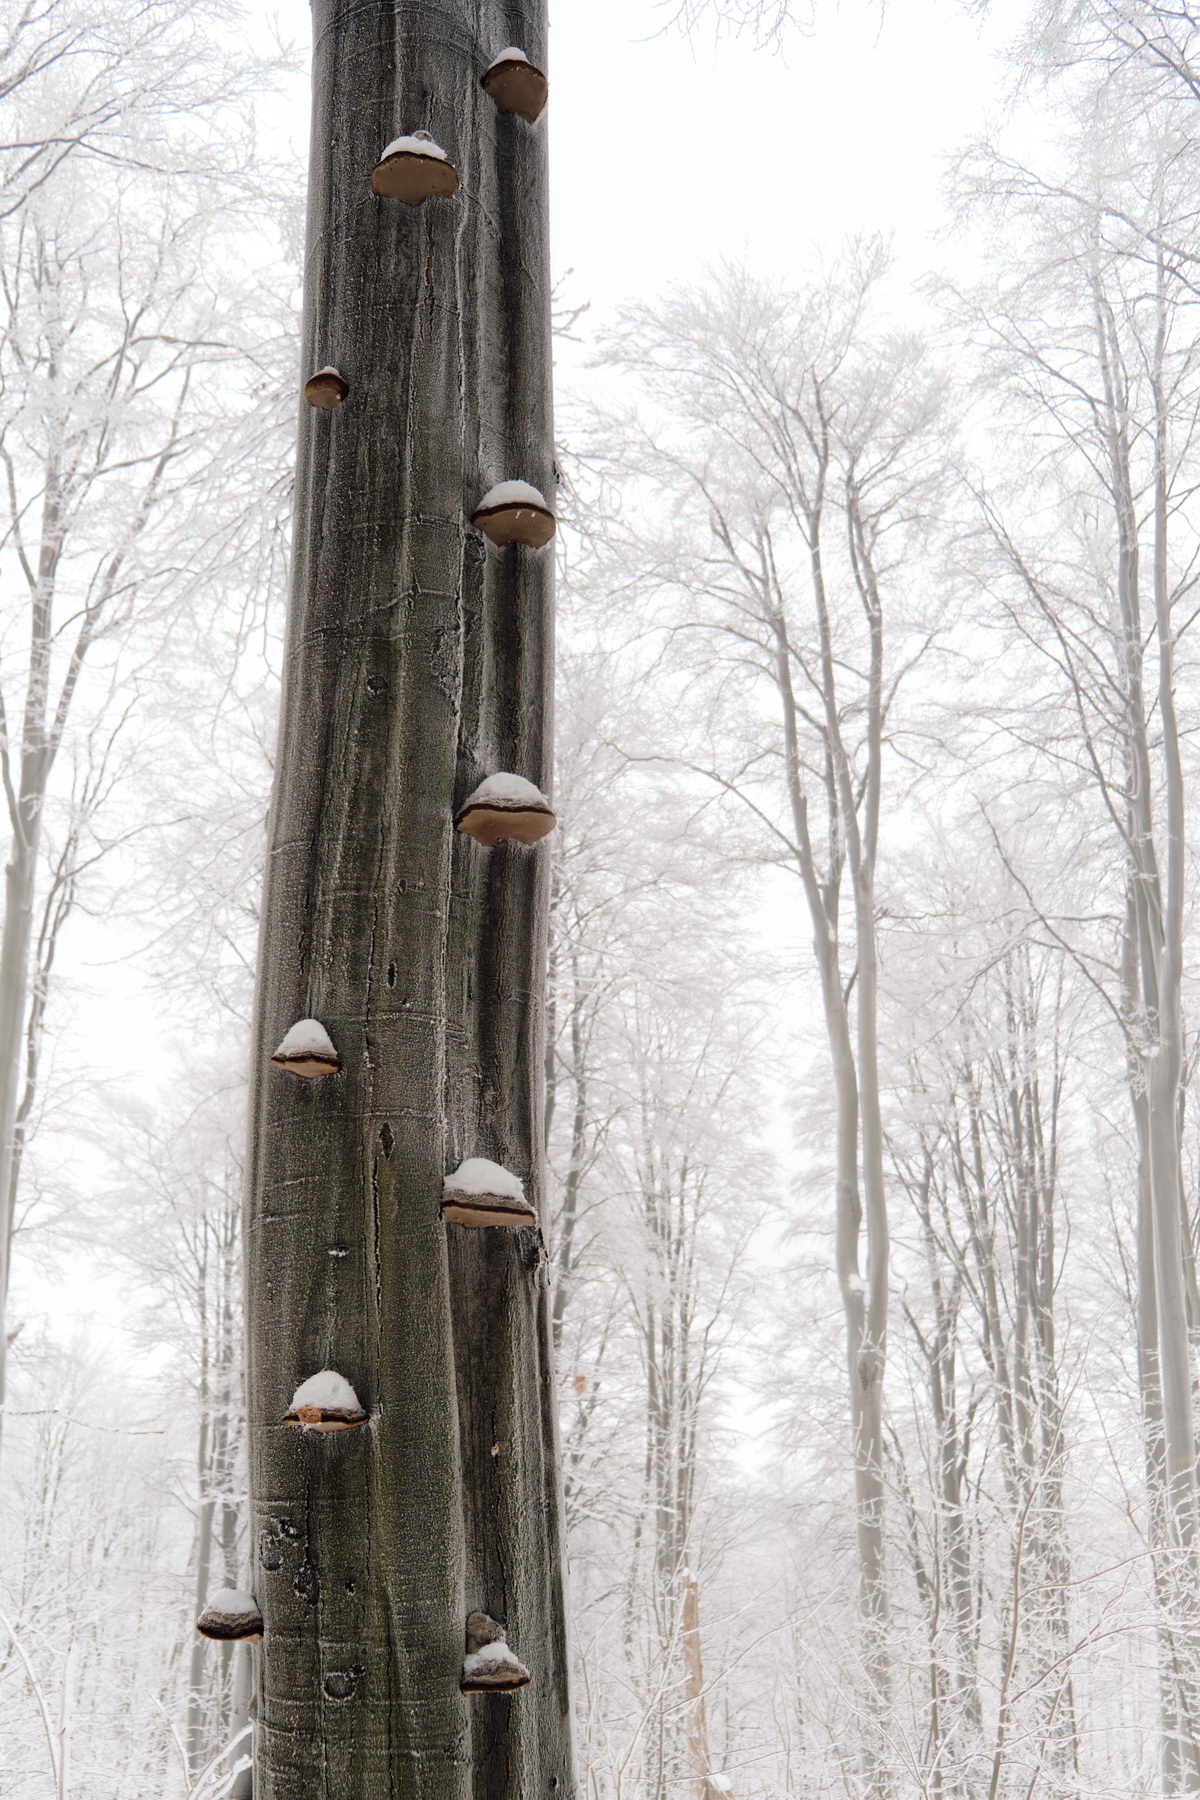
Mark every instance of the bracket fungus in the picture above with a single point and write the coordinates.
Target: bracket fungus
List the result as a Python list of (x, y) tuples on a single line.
[(513, 512), (516, 84), (308, 1050), (505, 807), (325, 1402), (482, 1193), (326, 389), (414, 169), (231, 1617), (489, 1666)]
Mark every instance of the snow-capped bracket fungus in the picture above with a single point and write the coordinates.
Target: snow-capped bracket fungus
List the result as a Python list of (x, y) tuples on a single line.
[(325, 1402), (414, 169), (326, 389), (513, 512), (490, 1667), (231, 1617), (515, 84), (308, 1050), (503, 808), (482, 1193)]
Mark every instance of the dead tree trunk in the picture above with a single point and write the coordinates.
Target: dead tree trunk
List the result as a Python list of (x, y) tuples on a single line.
[(418, 661)]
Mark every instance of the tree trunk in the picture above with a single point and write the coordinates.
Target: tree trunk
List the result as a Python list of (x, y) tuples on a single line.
[(699, 1753), (418, 661), (15, 940)]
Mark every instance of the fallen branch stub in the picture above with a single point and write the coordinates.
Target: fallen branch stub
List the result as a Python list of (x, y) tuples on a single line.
[(326, 389), (506, 808), (489, 1666), (231, 1617), (325, 1402), (482, 1193), (514, 512), (308, 1050), (515, 84), (414, 169)]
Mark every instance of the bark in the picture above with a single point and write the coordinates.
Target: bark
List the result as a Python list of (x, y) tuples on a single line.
[(242, 1786), (1153, 1001), (568, 1216), (860, 1206), (944, 1578), (699, 1756), (15, 941), (417, 662), (197, 1720)]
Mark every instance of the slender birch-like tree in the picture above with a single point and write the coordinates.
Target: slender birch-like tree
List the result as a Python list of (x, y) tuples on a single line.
[(418, 661), (811, 463), (1107, 604)]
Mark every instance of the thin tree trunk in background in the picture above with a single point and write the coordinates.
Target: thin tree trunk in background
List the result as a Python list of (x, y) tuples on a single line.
[(418, 661), (25, 778), (699, 1754), (569, 1211), (14, 988), (197, 1720), (1164, 1086), (860, 1205), (242, 1786)]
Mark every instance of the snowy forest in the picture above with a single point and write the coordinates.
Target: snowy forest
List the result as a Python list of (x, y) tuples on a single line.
[(869, 1234)]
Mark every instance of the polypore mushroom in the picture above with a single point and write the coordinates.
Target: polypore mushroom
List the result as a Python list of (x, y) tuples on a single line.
[(489, 1666), (482, 1193), (308, 1050), (515, 84), (505, 807), (231, 1617), (325, 1402), (326, 389), (414, 169), (513, 512)]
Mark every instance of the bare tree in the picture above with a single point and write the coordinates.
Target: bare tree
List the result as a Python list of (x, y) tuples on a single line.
[(804, 456), (1095, 341), (84, 82), (979, 1157), (118, 367), (766, 21)]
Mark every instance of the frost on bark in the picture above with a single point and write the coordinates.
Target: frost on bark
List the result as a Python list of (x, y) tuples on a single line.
[(418, 661)]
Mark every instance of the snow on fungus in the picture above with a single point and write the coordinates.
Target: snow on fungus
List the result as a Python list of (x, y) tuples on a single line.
[(514, 512), (489, 1666), (414, 169), (480, 1192), (505, 807), (513, 493), (515, 84), (308, 1050), (419, 143), (231, 1617), (325, 1402), (504, 789), (492, 1670), (326, 389), (477, 1175)]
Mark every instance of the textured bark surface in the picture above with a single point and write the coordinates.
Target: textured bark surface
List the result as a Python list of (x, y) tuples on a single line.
[(418, 662)]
